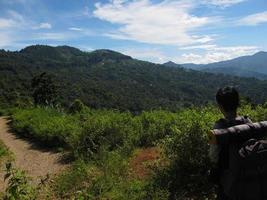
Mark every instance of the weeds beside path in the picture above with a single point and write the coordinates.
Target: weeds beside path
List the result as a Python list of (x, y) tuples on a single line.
[(35, 161)]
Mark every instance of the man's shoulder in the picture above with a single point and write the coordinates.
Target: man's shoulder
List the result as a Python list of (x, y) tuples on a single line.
[(224, 123), (221, 123)]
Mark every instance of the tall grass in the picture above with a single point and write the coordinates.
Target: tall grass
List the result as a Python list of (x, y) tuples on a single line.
[(3, 150)]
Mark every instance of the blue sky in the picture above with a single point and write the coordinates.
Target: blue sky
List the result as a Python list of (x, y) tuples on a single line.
[(198, 31)]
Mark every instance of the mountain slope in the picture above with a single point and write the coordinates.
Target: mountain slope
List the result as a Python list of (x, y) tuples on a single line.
[(245, 66), (109, 79), (171, 64), (236, 72)]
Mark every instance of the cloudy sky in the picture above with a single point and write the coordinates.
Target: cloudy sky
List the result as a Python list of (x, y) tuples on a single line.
[(183, 31)]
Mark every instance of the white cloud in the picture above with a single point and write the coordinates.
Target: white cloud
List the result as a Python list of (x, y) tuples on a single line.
[(12, 20), (214, 53), (16, 16), (75, 29), (254, 19), (45, 26), (6, 23), (209, 53), (222, 3), (205, 46), (148, 54), (11, 27), (168, 22), (5, 40)]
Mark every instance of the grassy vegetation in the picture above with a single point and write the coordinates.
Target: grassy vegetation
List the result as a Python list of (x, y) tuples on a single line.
[(18, 186), (2, 111), (103, 141), (3, 150), (4, 156)]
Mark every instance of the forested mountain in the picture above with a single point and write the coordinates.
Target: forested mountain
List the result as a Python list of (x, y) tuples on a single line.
[(186, 65), (236, 72), (104, 78), (245, 66), (172, 64)]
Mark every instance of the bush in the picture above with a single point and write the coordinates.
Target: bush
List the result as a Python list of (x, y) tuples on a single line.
[(3, 150), (109, 130), (18, 185), (156, 125), (77, 178), (3, 112), (76, 106), (189, 162), (46, 125)]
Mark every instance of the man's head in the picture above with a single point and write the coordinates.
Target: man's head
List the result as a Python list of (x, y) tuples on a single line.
[(228, 99)]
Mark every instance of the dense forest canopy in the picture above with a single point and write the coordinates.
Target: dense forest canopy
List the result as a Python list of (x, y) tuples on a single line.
[(104, 78)]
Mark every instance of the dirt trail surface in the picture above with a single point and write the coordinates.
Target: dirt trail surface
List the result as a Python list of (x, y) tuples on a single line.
[(35, 161)]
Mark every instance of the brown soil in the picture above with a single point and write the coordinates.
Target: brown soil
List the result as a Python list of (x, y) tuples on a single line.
[(37, 162), (142, 162)]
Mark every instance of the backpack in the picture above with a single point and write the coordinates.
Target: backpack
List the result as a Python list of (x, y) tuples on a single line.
[(246, 178), (252, 177)]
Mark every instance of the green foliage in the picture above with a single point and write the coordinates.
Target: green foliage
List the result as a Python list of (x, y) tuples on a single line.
[(76, 106), (105, 178), (18, 185), (5, 110), (107, 129), (47, 125), (186, 152), (255, 113), (103, 140), (2, 112), (44, 90), (189, 162), (76, 179), (156, 125), (3, 150), (107, 79)]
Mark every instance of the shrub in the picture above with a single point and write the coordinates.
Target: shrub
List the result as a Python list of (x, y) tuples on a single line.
[(46, 125), (109, 130), (155, 126), (186, 149), (76, 106), (18, 185), (3, 150), (189, 162), (77, 178)]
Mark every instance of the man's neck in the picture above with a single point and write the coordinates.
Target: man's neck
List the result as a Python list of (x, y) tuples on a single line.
[(230, 115)]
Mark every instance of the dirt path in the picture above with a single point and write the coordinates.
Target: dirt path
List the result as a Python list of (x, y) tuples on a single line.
[(28, 157)]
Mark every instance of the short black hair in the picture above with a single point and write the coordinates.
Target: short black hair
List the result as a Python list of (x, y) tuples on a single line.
[(228, 98)]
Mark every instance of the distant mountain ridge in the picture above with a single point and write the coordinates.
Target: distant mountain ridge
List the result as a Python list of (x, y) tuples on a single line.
[(108, 79), (245, 66), (172, 64)]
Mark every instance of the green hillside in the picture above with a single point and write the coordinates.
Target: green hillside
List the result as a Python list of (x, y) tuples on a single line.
[(104, 78)]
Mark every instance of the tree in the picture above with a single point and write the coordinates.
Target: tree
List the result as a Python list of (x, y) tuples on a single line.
[(44, 89), (76, 106)]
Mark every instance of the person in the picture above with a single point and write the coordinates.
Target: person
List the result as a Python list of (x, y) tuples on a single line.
[(228, 101)]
